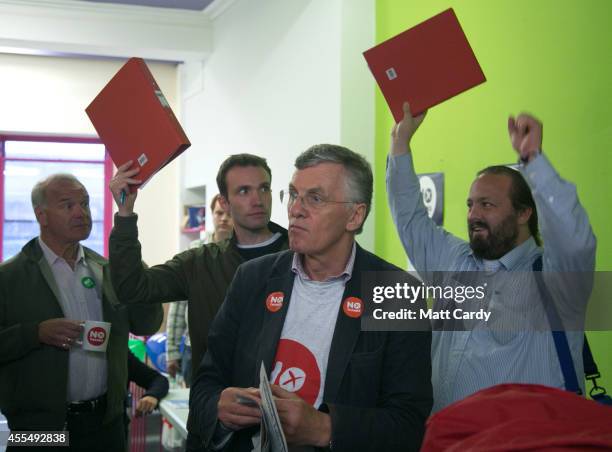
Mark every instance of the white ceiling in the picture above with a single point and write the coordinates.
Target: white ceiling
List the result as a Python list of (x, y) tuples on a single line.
[(194, 5), (108, 29)]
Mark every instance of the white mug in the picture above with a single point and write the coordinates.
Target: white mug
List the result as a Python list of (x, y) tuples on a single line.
[(95, 335)]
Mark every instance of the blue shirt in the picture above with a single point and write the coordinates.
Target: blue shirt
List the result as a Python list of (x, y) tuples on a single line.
[(464, 362)]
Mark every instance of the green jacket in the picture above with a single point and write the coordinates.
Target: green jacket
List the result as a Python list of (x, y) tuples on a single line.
[(201, 276), (34, 376)]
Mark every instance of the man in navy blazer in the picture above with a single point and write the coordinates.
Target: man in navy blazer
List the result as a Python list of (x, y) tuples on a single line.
[(298, 312)]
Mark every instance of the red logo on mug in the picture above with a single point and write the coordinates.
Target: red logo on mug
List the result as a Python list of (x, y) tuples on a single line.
[(353, 307), (275, 301), (96, 336)]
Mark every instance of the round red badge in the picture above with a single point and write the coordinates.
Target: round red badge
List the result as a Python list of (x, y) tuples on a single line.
[(96, 336), (353, 307), (275, 301)]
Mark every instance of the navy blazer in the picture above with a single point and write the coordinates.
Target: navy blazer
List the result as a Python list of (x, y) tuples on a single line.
[(378, 383)]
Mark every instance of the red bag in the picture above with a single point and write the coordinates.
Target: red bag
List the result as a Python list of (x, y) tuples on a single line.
[(520, 417)]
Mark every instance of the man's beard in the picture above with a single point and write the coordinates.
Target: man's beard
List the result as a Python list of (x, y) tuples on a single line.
[(497, 242)]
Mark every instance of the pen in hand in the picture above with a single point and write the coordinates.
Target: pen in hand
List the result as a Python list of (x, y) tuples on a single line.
[(121, 188), (247, 401)]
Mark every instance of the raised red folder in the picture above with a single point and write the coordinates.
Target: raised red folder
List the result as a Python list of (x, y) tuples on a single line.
[(425, 65), (135, 121)]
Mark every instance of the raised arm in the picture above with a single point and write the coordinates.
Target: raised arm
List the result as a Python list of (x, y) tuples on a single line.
[(429, 247), (132, 280), (569, 242)]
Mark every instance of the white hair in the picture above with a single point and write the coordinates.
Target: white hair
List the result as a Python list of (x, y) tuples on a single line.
[(39, 192)]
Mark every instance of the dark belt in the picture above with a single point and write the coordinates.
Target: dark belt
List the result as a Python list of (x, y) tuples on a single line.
[(87, 406)]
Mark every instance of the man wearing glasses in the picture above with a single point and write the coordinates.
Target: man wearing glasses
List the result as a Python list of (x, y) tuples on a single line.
[(201, 275), (299, 312)]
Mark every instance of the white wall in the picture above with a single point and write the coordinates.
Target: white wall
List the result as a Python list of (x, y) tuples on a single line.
[(357, 117), (48, 95), (273, 86)]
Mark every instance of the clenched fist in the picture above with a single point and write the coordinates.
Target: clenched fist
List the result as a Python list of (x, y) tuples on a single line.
[(526, 136)]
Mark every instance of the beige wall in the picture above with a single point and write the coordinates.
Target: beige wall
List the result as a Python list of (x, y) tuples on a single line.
[(48, 95)]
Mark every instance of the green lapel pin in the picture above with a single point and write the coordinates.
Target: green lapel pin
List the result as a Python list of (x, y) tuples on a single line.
[(88, 282)]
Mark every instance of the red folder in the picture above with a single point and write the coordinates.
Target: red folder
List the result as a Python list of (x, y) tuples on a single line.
[(135, 121), (425, 65)]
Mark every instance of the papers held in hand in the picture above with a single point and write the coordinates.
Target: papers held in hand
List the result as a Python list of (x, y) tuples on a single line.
[(271, 437), (425, 65), (135, 122)]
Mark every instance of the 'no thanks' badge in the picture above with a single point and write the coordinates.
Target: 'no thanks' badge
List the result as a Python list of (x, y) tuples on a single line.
[(275, 301), (352, 307)]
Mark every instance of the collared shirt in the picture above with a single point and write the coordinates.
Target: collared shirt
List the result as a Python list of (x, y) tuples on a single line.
[(300, 363), (464, 362), (298, 268), (87, 372)]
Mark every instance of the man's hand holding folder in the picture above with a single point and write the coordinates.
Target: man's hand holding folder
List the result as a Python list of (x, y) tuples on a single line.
[(120, 188), (402, 131)]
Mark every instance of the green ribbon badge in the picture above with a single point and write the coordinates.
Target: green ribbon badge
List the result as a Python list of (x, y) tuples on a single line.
[(88, 282)]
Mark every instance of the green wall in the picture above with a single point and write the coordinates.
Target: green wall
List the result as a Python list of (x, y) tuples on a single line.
[(552, 58)]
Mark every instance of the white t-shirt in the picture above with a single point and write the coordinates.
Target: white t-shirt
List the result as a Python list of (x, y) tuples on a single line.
[(300, 364)]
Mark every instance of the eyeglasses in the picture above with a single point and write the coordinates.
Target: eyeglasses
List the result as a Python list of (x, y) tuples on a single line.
[(310, 200)]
